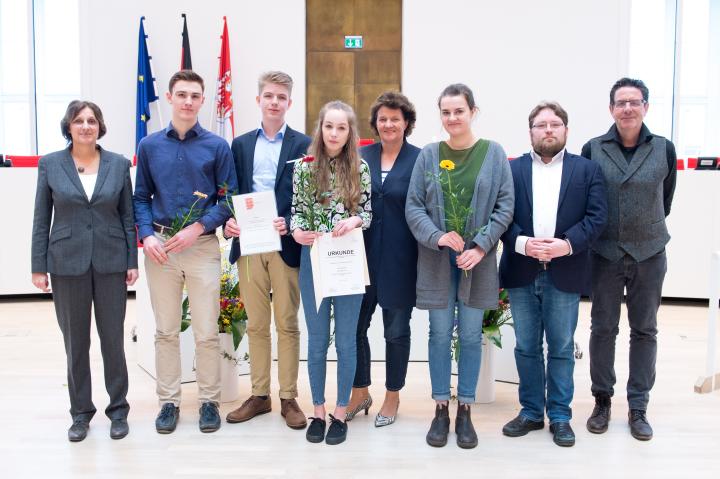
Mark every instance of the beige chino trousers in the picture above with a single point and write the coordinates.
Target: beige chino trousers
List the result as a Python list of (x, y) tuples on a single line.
[(198, 268), (259, 275)]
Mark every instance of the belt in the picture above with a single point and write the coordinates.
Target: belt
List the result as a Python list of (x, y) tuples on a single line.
[(165, 230)]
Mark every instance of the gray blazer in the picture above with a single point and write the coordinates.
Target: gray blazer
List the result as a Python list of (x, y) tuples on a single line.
[(493, 203), (99, 232)]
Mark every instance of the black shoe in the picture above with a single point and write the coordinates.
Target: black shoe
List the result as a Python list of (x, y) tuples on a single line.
[(78, 431), (563, 434), (597, 423), (119, 428), (337, 432), (639, 425), (440, 427), (521, 426), (209, 417), (464, 430), (316, 432), (166, 421)]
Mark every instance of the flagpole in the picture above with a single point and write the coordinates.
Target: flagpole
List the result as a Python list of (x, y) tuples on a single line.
[(152, 68), (212, 110)]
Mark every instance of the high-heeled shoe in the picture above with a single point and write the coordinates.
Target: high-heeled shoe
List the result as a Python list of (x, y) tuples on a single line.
[(381, 420), (367, 402)]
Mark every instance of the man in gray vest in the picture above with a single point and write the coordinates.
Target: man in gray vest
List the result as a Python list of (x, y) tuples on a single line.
[(640, 171)]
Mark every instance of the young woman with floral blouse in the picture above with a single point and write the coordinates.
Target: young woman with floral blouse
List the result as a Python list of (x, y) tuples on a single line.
[(331, 195)]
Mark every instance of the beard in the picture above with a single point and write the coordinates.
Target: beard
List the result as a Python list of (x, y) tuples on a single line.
[(549, 149)]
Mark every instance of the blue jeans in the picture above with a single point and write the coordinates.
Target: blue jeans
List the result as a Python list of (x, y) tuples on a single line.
[(442, 322), (541, 309), (396, 322), (347, 310)]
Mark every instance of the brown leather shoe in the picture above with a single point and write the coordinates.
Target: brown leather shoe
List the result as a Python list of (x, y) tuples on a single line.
[(252, 407), (292, 413)]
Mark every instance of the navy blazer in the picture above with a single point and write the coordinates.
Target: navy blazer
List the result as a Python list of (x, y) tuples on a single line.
[(294, 145), (581, 218), (71, 233), (390, 246)]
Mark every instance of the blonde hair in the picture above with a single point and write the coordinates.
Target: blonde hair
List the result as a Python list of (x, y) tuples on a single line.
[(276, 77), (347, 163)]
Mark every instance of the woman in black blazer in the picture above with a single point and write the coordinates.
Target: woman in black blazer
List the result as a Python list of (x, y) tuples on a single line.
[(84, 237), (391, 252)]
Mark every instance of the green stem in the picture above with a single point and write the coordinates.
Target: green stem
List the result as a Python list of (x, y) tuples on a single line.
[(189, 215)]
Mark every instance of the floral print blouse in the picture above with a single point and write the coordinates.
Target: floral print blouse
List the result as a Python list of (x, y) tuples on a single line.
[(309, 215)]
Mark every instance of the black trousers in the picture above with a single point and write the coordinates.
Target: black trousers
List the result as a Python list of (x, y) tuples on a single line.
[(74, 297), (643, 281)]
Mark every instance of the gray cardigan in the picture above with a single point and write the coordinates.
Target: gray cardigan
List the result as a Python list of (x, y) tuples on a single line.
[(493, 204)]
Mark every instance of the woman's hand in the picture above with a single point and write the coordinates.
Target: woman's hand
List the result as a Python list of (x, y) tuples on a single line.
[(40, 281), (470, 258), (131, 276), (452, 240), (305, 238), (347, 225)]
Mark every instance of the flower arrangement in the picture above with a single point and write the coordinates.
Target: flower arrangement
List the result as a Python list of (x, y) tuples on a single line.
[(493, 320), (233, 317), (456, 219), (182, 220)]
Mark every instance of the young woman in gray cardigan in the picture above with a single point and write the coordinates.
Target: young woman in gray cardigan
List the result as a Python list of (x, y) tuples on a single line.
[(457, 270)]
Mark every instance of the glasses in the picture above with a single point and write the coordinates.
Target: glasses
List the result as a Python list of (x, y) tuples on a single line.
[(620, 104), (556, 125)]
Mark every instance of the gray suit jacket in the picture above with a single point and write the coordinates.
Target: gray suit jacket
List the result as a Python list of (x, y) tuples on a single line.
[(99, 232)]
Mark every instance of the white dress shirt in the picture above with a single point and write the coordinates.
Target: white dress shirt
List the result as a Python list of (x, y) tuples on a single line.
[(88, 183), (546, 178)]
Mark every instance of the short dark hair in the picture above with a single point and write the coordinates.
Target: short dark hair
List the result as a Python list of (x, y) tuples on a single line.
[(550, 105), (395, 101), (73, 110), (186, 75), (458, 89), (631, 82)]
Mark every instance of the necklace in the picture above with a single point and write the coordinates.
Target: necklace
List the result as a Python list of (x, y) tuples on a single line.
[(80, 169)]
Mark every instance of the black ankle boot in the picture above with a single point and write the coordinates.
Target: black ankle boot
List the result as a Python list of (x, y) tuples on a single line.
[(440, 427), (597, 423), (466, 436)]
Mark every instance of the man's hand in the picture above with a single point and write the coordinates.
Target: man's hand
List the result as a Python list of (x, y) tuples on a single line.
[(232, 230), (153, 249), (545, 249), (452, 240), (131, 276), (40, 281), (278, 223), (306, 238), (184, 238), (347, 225)]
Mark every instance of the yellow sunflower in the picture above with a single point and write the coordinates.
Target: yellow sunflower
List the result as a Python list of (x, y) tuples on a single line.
[(448, 165)]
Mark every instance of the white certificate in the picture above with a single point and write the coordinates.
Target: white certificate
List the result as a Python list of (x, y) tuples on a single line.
[(339, 265), (254, 213)]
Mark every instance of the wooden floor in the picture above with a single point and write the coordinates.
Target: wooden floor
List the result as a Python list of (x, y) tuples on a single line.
[(34, 421)]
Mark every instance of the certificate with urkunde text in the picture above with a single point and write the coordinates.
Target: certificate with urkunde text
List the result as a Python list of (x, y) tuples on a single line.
[(254, 213), (339, 266)]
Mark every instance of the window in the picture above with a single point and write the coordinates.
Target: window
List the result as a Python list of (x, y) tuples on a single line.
[(674, 47), (39, 72)]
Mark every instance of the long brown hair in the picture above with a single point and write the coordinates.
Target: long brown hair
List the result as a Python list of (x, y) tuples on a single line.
[(347, 163)]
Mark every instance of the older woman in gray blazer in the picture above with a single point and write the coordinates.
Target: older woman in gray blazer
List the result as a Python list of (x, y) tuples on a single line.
[(459, 202), (84, 237)]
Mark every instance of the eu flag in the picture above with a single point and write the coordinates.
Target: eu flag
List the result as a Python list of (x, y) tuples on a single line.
[(145, 88)]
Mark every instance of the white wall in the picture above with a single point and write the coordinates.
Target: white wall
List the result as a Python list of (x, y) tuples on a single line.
[(512, 54), (264, 35)]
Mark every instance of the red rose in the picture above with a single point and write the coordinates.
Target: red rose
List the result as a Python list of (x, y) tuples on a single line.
[(222, 191), (308, 159)]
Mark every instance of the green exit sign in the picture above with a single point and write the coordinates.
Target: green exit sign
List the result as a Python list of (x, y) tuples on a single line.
[(353, 41)]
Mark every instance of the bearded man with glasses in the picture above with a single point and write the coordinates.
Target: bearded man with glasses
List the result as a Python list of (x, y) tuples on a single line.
[(629, 257)]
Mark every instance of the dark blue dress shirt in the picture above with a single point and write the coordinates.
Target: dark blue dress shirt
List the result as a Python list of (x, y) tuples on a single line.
[(170, 170)]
